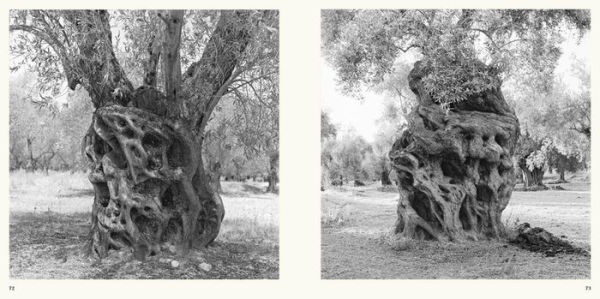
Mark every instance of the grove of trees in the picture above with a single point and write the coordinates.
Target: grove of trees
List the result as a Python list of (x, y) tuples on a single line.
[(45, 136), (557, 125), (174, 96)]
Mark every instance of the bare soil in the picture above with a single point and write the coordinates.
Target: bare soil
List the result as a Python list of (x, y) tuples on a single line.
[(356, 222), (50, 220)]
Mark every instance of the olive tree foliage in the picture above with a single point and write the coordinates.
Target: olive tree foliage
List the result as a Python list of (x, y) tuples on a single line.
[(399, 99), (137, 44), (328, 129), (243, 135), (364, 45), (256, 121), (559, 119), (45, 135), (391, 124), (59, 45), (531, 158), (328, 135), (351, 159), (154, 79), (345, 156)]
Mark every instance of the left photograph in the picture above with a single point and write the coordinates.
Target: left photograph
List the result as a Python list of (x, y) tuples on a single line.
[(144, 144)]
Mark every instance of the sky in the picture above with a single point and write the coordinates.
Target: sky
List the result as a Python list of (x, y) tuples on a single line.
[(571, 49), (348, 113)]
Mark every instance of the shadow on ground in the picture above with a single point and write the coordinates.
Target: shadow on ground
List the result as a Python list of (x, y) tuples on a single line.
[(78, 193), (356, 221), (52, 246)]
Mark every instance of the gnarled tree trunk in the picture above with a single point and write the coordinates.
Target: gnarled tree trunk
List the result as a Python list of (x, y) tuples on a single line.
[(532, 179), (385, 177), (151, 190), (454, 167)]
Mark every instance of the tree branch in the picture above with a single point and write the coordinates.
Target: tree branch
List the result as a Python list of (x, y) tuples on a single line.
[(151, 66), (171, 59), (206, 80), (88, 58), (404, 50), (488, 35), (246, 82), (69, 71), (102, 75)]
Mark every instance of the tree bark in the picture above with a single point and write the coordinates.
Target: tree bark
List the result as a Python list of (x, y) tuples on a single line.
[(31, 166), (151, 65), (561, 166), (454, 167), (171, 61), (385, 178), (273, 172), (215, 174)]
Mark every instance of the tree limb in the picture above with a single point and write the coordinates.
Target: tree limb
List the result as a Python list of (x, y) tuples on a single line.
[(204, 80), (151, 66), (88, 58), (102, 75), (171, 59)]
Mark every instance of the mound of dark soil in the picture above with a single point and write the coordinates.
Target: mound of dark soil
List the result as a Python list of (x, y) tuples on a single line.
[(537, 239)]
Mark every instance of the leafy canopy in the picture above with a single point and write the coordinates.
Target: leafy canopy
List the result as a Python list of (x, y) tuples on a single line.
[(363, 46)]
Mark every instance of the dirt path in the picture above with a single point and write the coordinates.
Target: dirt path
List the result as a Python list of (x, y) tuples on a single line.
[(355, 221)]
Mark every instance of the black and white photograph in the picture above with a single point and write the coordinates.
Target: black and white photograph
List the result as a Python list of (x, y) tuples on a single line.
[(144, 144), (455, 144)]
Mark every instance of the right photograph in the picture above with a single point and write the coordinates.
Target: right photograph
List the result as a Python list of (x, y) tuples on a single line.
[(455, 144)]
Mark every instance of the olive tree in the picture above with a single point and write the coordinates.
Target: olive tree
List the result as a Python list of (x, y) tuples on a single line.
[(454, 160), (154, 79)]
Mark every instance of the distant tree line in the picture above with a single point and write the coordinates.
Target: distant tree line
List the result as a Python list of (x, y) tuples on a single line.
[(46, 135)]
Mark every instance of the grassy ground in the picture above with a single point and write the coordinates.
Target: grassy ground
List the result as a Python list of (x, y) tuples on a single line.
[(50, 218), (356, 220)]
